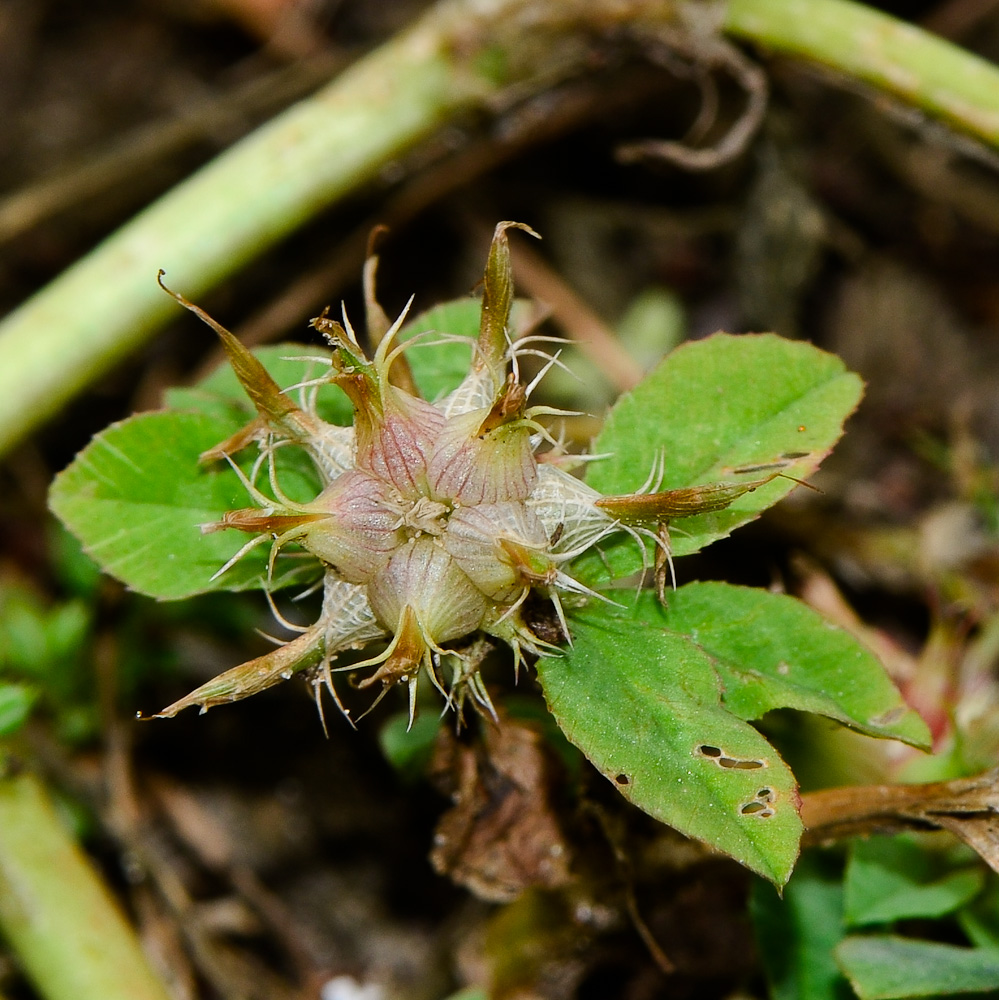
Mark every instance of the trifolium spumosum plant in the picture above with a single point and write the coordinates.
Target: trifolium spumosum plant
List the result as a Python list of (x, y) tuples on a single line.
[(412, 479)]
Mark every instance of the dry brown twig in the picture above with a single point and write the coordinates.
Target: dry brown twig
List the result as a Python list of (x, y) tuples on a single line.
[(706, 52), (966, 807)]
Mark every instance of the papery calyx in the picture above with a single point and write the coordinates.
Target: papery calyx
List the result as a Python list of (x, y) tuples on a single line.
[(434, 522)]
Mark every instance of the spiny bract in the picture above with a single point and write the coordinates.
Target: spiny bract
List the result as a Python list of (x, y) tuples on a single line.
[(435, 521)]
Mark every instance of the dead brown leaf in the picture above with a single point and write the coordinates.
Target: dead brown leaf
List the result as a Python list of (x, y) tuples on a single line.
[(501, 835), (966, 807)]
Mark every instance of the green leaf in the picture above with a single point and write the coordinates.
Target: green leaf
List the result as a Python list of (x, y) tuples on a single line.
[(796, 934), (883, 967), (135, 497), (16, 701), (711, 408), (408, 748), (895, 878), (771, 651), (67, 629), (40, 642), (980, 920), (24, 640), (440, 368), (644, 705)]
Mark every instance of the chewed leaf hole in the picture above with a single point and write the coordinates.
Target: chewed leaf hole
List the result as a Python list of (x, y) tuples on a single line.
[(758, 809), (761, 806), (622, 779), (740, 765), (722, 759)]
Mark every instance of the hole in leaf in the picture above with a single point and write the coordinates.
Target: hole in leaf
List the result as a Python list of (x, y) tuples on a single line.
[(722, 759), (759, 809), (740, 765), (765, 794), (623, 779)]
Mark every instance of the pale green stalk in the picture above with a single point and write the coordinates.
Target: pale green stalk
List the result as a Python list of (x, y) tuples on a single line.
[(208, 227), (463, 54), (55, 912), (898, 58)]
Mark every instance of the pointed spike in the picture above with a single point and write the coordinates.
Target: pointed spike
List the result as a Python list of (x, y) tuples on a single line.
[(254, 676), (395, 364), (663, 559), (560, 614), (317, 694), (232, 560), (264, 392), (413, 681), (378, 700), (253, 519), (255, 430), (328, 680), (497, 296), (480, 697), (280, 618), (638, 508)]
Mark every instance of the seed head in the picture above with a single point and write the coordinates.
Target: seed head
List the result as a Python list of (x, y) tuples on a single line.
[(434, 522)]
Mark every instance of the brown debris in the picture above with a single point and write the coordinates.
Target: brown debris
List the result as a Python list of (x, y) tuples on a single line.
[(966, 807), (502, 835)]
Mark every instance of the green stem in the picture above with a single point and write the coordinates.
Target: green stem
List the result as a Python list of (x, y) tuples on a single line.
[(460, 55), (55, 912), (208, 227), (895, 57)]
